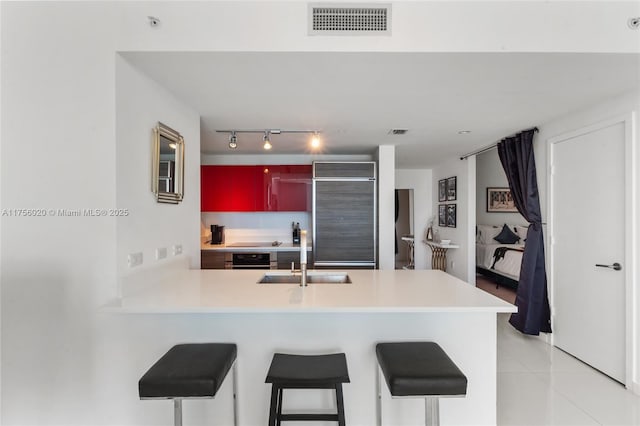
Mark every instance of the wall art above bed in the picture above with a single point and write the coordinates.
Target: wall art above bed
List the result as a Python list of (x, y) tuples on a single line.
[(499, 200)]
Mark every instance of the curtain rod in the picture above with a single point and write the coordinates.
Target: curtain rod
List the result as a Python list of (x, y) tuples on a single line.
[(493, 145)]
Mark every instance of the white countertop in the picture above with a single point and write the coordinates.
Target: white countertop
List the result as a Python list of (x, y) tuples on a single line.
[(237, 249), (177, 290)]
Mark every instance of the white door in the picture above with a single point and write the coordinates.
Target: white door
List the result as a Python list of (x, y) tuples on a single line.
[(588, 229)]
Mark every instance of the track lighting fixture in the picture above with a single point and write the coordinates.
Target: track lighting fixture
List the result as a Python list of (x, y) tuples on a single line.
[(233, 140), (266, 138), (267, 142), (315, 140)]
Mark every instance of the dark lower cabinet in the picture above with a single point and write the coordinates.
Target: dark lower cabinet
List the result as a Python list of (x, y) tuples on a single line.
[(286, 257), (211, 259)]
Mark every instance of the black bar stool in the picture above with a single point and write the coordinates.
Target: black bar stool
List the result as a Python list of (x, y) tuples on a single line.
[(418, 370), (306, 372), (190, 371)]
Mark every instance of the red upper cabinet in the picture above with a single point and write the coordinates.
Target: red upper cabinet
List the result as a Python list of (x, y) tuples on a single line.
[(256, 188), (292, 188), (228, 188)]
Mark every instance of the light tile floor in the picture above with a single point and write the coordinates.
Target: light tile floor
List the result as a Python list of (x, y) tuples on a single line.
[(541, 385)]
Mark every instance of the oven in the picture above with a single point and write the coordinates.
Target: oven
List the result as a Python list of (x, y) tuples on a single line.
[(245, 260)]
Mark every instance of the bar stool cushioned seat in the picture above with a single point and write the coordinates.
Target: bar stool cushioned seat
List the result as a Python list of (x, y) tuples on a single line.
[(419, 369), (306, 372), (191, 370)]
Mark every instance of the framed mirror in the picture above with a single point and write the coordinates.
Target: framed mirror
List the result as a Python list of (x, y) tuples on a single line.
[(167, 180)]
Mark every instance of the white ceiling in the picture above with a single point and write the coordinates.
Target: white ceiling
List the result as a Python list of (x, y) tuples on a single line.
[(356, 98)]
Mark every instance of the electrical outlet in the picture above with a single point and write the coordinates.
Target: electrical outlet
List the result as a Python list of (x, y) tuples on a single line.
[(177, 249), (134, 259), (161, 253), (453, 264)]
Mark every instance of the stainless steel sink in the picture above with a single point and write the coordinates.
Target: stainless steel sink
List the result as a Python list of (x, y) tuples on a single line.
[(312, 278)]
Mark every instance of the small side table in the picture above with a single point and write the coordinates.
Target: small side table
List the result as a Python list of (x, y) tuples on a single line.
[(410, 242), (439, 257)]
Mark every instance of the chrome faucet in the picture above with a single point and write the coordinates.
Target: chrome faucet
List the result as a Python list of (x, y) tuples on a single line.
[(303, 259), (303, 273)]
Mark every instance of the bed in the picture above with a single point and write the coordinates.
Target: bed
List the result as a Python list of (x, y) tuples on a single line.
[(500, 261)]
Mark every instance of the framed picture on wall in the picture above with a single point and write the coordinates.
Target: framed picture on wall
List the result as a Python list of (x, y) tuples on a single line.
[(442, 190), (499, 200), (452, 188), (442, 215), (451, 215)]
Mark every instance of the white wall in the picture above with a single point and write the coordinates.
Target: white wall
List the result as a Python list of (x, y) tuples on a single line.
[(421, 183), (386, 207), (460, 262), (490, 174), (65, 363), (58, 152), (140, 104)]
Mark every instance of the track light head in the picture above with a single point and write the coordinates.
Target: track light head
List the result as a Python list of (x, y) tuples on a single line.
[(233, 140), (267, 143), (315, 140), (266, 138)]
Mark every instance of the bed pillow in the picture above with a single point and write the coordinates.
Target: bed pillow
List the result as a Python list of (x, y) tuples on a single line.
[(486, 233), (506, 236), (521, 231)]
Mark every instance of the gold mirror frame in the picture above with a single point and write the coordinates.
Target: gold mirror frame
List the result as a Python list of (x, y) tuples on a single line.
[(172, 188)]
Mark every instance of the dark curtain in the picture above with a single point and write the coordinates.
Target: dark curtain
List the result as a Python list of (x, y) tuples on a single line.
[(516, 156)]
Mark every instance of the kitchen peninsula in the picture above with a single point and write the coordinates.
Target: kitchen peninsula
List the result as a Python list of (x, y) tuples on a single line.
[(378, 305)]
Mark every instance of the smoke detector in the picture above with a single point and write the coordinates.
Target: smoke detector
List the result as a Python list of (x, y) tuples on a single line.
[(153, 21)]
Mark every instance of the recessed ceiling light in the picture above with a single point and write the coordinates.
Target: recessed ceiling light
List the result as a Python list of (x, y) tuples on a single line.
[(464, 132)]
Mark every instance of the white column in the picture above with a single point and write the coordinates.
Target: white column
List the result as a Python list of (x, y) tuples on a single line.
[(386, 206)]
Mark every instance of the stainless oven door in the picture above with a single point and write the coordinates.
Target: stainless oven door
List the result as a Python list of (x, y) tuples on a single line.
[(251, 261)]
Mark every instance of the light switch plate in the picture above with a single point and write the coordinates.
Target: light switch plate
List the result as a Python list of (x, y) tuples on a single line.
[(134, 259), (177, 249), (161, 253)]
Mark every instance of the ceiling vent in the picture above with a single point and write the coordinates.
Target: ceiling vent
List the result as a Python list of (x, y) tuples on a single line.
[(357, 19), (398, 131)]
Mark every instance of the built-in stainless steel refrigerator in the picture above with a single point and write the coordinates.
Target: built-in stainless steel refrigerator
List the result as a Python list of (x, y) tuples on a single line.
[(344, 214)]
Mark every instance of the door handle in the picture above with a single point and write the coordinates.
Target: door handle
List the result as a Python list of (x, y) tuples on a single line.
[(616, 266)]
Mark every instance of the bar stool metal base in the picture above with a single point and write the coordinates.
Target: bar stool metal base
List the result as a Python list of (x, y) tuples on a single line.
[(431, 404)]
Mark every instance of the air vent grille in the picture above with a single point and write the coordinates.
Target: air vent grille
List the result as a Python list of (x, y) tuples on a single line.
[(398, 131), (350, 20)]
